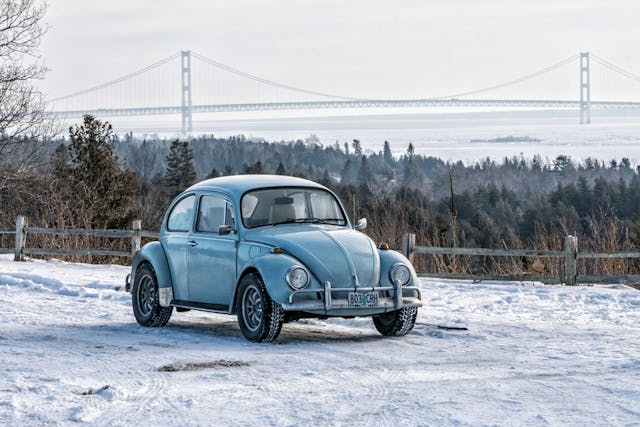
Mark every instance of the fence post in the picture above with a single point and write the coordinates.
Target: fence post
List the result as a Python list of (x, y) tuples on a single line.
[(570, 260), (21, 238), (135, 236), (408, 243)]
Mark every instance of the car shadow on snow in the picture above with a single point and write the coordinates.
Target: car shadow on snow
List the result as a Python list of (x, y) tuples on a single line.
[(198, 330), (292, 332), (204, 328)]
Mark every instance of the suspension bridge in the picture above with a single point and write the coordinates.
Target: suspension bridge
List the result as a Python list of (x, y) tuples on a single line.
[(155, 90)]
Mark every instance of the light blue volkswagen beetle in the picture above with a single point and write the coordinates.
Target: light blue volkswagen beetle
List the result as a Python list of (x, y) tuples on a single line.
[(270, 249)]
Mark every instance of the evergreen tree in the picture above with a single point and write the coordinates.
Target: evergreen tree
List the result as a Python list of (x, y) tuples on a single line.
[(99, 191), (326, 179), (387, 155), (215, 173), (357, 147), (180, 172), (348, 172), (412, 177), (364, 175), (255, 168), (280, 170)]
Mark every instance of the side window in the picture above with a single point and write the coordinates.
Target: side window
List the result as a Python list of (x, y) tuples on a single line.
[(213, 212), (181, 215)]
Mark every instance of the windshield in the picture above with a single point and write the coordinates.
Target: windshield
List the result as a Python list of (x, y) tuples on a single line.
[(290, 205)]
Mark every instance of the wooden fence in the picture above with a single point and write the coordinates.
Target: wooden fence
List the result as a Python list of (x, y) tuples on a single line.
[(570, 254), (20, 250)]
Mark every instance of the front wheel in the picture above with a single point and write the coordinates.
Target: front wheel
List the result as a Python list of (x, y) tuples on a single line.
[(145, 299), (260, 317), (396, 323)]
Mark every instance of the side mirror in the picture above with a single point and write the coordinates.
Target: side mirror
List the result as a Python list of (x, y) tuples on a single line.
[(225, 229), (361, 224)]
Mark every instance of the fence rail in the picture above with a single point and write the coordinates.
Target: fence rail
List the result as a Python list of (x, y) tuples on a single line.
[(22, 230), (570, 255), (409, 249)]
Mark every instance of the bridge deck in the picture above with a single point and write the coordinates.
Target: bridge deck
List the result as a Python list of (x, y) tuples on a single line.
[(377, 103)]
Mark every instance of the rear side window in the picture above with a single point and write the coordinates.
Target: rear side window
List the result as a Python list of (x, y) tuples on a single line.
[(181, 216)]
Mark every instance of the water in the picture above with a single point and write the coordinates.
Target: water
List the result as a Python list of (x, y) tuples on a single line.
[(611, 135)]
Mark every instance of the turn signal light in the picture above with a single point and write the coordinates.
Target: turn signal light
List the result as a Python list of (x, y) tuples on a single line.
[(277, 250), (383, 246)]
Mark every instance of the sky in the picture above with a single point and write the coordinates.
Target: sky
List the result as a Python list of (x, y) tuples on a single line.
[(358, 48)]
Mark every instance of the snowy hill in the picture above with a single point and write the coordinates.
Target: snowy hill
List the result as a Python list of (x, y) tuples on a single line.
[(515, 354)]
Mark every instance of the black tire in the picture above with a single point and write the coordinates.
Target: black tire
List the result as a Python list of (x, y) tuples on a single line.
[(145, 299), (396, 323), (260, 318)]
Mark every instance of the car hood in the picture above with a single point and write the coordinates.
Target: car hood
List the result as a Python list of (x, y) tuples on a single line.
[(337, 255)]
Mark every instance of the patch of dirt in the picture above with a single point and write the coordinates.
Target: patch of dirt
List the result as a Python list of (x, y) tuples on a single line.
[(176, 367)]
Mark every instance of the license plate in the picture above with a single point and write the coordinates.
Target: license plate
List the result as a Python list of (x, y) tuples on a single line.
[(363, 299)]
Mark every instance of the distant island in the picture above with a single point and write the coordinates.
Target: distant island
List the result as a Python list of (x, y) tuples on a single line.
[(509, 138)]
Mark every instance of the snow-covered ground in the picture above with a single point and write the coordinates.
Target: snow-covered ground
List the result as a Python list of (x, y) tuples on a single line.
[(71, 352)]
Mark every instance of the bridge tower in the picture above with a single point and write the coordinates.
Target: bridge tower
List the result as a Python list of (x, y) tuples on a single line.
[(185, 72), (585, 89)]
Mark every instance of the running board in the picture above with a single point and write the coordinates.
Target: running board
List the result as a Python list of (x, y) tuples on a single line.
[(214, 308)]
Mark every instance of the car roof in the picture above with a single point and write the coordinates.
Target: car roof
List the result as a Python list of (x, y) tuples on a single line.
[(239, 184)]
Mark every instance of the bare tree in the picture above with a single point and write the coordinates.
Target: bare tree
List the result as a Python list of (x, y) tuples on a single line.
[(23, 121)]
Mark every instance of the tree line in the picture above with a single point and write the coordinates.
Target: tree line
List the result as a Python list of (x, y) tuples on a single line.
[(92, 178)]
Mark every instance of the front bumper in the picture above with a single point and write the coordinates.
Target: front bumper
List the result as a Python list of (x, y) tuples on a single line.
[(391, 298)]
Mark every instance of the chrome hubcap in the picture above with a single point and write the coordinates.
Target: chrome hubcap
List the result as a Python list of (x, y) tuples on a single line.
[(146, 296), (252, 307)]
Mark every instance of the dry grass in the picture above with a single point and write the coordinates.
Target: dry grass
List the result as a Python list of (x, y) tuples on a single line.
[(606, 234)]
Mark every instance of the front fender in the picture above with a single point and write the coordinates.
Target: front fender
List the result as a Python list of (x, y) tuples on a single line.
[(153, 253), (387, 259), (273, 268)]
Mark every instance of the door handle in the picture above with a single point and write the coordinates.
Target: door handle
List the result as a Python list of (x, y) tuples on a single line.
[(191, 243)]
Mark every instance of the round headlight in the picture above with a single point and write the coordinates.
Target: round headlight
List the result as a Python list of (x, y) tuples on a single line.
[(400, 273), (297, 277)]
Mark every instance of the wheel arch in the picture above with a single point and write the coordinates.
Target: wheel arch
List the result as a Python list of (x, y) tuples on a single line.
[(272, 269), (153, 254), (234, 298)]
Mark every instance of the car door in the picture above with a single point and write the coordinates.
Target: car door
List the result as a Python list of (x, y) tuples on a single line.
[(211, 255), (174, 242)]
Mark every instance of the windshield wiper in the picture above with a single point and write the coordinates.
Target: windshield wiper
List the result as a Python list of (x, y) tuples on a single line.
[(310, 221), (294, 221), (341, 221)]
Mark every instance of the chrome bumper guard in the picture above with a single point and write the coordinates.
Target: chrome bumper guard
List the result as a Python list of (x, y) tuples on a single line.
[(395, 302)]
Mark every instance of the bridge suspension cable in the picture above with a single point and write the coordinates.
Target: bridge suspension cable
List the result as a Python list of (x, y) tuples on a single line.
[(615, 68), (270, 82), (119, 79), (514, 81)]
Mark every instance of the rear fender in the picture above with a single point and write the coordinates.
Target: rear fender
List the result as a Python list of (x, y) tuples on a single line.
[(154, 254)]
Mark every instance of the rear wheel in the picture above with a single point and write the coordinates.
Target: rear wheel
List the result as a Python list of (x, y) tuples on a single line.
[(145, 299), (396, 323), (260, 317)]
